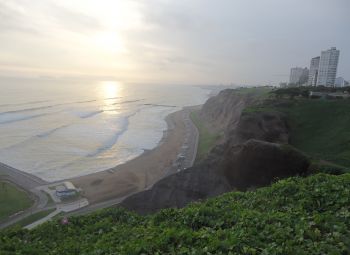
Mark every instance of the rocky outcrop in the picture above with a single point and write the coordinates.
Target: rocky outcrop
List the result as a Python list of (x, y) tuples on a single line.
[(252, 164)]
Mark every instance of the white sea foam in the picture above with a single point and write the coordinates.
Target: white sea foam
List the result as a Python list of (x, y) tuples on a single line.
[(58, 130)]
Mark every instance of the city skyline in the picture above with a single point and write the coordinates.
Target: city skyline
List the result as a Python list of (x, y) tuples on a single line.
[(322, 72)]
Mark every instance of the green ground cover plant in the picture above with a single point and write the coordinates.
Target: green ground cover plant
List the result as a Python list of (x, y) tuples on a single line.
[(293, 216)]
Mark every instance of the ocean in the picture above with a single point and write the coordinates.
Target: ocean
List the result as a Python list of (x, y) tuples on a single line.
[(59, 129)]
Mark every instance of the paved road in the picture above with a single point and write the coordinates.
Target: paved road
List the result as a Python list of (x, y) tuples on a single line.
[(21, 216), (22, 179), (42, 220), (188, 152), (67, 207)]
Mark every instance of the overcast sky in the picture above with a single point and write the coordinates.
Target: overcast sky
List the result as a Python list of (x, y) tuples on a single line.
[(171, 41)]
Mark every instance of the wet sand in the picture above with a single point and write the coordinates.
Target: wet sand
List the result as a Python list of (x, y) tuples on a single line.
[(139, 173)]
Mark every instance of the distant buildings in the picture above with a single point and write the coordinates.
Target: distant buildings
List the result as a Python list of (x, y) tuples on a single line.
[(298, 75), (322, 72), (283, 84), (327, 70), (313, 73)]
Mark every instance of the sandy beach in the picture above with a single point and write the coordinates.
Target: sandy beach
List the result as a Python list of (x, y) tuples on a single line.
[(141, 172)]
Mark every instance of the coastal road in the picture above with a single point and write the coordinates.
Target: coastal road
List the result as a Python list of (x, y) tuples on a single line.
[(22, 179), (12, 220), (188, 151)]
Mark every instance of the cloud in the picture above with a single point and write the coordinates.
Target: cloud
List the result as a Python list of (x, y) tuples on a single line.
[(34, 17), (73, 20), (13, 19), (195, 40)]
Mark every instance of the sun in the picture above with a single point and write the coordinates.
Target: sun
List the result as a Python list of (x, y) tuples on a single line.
[(109, 42)]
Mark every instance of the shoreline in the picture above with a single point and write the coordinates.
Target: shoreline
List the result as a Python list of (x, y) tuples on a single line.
[(141, 172), (130, 177)]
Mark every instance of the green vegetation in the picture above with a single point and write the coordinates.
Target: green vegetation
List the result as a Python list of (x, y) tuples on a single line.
[(12, 200), (321, 166), (206, 140), (262, 92), (294, 216), (319, 127), (34, 217)]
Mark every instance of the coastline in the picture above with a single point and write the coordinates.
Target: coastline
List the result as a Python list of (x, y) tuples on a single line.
[(112, 185), (141, 172)]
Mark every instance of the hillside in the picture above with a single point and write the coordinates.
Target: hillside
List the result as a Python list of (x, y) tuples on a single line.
[(255, 122), (293, 216), (320, 128), (309, 214), (253, 153)]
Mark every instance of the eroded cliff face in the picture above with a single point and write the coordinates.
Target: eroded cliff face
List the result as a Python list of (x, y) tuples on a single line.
[(222, 112), (253, 154), (266, 126)]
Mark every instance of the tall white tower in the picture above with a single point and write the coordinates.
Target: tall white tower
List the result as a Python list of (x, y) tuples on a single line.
[(328, 67), (313, 73)]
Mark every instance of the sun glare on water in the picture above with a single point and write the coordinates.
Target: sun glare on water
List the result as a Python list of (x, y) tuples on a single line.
[(110, 92), (110, 89)]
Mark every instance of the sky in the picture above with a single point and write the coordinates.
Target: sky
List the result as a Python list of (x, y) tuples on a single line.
[(170, 41)]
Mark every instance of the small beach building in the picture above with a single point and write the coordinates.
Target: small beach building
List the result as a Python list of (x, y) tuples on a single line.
[(66, 189)]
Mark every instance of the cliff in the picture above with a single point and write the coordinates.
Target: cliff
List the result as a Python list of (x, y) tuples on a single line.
[(254, 153)]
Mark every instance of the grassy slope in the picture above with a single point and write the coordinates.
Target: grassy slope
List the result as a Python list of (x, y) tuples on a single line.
[(294, 216), (321, 128), (12, 200), (260, 92), (206, 139)]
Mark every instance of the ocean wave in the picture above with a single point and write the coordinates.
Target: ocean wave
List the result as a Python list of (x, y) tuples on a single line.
[(26, 103), (108, 98), (50, 132), (32, 139), (114, 139), (44, 107), (90, 114), (161, 105), (128, 101), (29, 109), (83, 102), (23, 118)]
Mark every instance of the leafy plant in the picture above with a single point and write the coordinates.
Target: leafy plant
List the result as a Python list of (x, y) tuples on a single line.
[(294, 216)]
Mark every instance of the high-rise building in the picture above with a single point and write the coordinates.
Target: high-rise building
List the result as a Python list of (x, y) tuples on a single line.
[(298, 75), (327, 70), (313, 73)]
